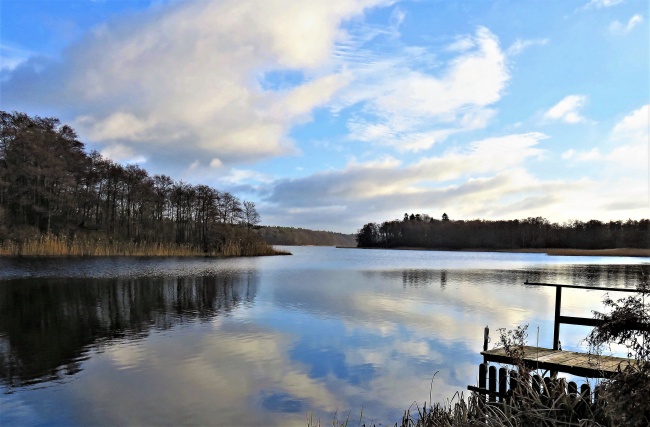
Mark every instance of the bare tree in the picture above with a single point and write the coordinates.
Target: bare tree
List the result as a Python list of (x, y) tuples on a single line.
[(251, 216)]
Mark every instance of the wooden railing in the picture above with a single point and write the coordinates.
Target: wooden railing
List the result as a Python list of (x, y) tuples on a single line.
[(502, 385), (583, 321)]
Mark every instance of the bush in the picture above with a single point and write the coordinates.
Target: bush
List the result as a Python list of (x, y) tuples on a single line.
[(628, 393)]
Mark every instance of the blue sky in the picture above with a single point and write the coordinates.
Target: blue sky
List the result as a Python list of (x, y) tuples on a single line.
[(331, 114)]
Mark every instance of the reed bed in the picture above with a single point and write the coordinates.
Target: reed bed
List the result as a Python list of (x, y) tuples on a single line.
[(236, 248), (525, 408), (50, 245)]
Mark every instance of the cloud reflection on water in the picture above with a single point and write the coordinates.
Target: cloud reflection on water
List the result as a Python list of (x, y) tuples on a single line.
[(321, 331)]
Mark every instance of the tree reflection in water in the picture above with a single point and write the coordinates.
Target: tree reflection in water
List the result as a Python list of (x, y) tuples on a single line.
[(47, 326)]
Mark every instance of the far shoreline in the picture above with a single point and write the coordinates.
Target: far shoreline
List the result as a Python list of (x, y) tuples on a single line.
[(615, 252)]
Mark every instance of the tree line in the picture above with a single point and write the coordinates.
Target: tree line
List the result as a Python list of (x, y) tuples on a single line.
[(290, 236), (50, 185), (422, 231)]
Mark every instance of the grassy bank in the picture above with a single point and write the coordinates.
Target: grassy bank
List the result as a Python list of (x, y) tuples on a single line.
[(635, 252), (61, 246)]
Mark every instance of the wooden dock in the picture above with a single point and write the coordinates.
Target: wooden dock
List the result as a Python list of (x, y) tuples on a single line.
[(500, 383), (570, 362)]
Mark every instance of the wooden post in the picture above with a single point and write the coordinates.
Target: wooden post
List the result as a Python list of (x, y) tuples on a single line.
[(556, 327), (513, 381), (585, 400), (585, 391), (492, 380), (573, 389), (503, 384), (486, 338), (482, 374)]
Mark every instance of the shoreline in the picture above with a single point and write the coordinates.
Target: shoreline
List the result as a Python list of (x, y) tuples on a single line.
[(143, 255), (615, 252), (53, 246)]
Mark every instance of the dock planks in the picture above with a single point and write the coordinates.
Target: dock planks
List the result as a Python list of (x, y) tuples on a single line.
[(570, 362)]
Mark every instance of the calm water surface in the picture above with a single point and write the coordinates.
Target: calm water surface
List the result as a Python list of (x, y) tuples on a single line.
[(272, 340)]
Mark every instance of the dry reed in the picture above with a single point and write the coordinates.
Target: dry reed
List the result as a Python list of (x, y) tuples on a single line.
[(50, 245), (525, 408)]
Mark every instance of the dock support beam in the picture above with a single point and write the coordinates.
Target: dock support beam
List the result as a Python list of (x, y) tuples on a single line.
[(486, 338), (556, 326)]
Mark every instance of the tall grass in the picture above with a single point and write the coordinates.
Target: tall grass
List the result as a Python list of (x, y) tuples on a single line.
[(236, 248), (51, 245), (534, 401), (526, 407)]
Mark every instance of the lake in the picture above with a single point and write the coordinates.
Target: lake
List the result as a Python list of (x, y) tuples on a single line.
[(270, 340)]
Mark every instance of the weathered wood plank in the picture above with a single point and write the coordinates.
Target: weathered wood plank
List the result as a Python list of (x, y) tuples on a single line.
[(568, 358), (571, 362)]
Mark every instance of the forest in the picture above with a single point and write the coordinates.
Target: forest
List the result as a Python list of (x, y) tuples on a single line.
[(50, 186), (422, 231), (290, 236)]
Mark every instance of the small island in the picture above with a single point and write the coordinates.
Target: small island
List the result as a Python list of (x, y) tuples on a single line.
[(56, 199)]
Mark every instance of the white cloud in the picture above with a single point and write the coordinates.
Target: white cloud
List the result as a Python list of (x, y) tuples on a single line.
[(474, 79), (181, 78), (567, 110), (462, 44), (120, 153), (632, 138), (487, 171), (634, 126), (301, 100), (521, 44), (117, 126), (327, 210), (386, 162), (619, 187), (242, 176), (631, 157), (411, 109), (599, 4), (616, 27), (485, 179), (568, 154), (486, 156), (589, 156), (623, 163)]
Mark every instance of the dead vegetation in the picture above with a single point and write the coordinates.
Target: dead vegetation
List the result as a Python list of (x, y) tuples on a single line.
[(50, 245)]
